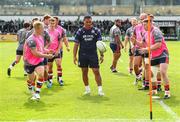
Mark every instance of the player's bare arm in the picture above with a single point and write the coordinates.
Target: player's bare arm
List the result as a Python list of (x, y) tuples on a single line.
[(76, 45), (35, 52)]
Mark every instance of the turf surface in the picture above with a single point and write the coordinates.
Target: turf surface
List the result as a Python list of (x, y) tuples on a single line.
[(122, 100)]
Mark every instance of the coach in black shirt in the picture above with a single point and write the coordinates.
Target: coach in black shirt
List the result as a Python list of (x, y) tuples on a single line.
[(85, 39)]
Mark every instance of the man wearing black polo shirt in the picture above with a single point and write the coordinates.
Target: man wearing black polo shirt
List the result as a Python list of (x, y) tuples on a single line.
[(85, 39)]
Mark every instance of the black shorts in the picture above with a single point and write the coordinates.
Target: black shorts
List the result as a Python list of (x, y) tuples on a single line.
[(55, 57), (45, 61), (160, 61), (145, 55), (130, 53), (115, 48), (30, 68), (19, 52), (61, 53), (86, 60), (137, 52)]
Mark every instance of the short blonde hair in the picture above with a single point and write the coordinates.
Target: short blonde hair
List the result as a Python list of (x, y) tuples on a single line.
[(37, 24), (52, 19), (133, 19)]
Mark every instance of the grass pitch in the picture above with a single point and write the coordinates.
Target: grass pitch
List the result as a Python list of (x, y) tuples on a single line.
[(122, 100)]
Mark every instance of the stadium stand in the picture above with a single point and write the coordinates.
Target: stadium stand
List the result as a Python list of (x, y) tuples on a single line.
[(22, 10), (114, 10), (162, 10), (96, 7), (74, 10), (71, 26)]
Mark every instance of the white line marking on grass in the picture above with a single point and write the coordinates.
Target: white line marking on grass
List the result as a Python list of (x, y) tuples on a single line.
[(97, 120), (169, 110)]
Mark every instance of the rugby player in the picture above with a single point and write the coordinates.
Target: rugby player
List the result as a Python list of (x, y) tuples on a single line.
[(138, 36), (62, 32), (46, 44), (128, 35), (46, 21), (34, 54), (21, 37), (159, 56), (30, 32), (115, 43), (85, 40), (55, 46)]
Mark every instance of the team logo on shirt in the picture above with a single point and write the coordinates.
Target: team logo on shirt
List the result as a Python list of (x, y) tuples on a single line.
[(93, 31), (88, 38)]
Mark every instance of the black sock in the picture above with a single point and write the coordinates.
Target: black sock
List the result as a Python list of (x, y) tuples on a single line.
[(13, 64)]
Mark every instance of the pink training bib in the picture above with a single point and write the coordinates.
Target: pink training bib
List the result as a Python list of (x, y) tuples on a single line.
[(60, 30), (139, 33), (39, 45), (55, 40), (156, 32)]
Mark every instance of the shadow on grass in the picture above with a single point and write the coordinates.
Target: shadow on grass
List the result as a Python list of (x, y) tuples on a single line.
[(18, 78), (172, 101), (50, 91), (93, 99), (121, 74), (36, 105), (26, 93), (54, 89)]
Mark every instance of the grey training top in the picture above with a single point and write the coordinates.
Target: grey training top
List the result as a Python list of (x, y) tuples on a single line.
[(114, 31)]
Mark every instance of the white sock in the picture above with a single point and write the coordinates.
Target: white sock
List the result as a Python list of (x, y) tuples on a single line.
[(25, 72), (10, 66), (87, 88), (138, 76), (114, 69), (60, 78), (167, 92), (99, 88), (38, 90), (50, 80)]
